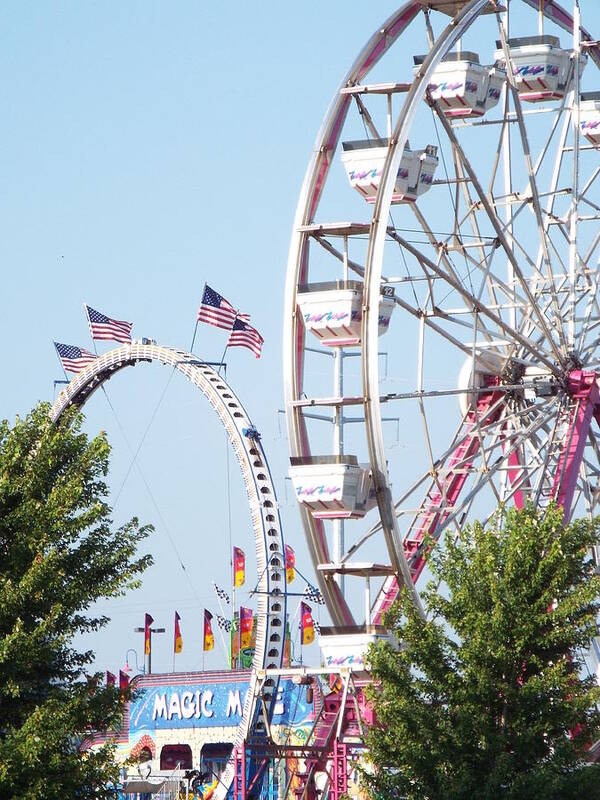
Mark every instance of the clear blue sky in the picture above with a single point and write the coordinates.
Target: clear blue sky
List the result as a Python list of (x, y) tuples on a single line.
[(148, 147)]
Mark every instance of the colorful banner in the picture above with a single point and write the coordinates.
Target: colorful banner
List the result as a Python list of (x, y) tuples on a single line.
[(287, 645), (148, 620), (177, 638), (245, 627), (111, 680), (123, 680), (209, 639), (290, 563), (235, 639), (239, 567), (307, 626)]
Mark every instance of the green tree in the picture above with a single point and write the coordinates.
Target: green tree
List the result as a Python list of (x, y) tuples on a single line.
[(481, 700), (59, 554)]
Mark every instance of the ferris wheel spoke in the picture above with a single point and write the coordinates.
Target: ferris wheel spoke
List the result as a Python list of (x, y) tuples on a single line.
[(440, 509), (479, 307), (485, 267), (591, 315), (459, 440), (500, 232), (498, 465), (533, 187)]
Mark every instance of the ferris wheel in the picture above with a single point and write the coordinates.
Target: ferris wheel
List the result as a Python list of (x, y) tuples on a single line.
[(266, 523), (446, 239)]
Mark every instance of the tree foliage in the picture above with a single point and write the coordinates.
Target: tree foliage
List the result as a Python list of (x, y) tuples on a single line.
[(59, 554), (489, 696)]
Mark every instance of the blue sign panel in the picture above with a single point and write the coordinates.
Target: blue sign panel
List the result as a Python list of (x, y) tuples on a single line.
[(202, 705)]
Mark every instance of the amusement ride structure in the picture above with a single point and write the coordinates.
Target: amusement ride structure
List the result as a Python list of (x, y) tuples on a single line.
[(266, 523), (474, 171), (453, 188)]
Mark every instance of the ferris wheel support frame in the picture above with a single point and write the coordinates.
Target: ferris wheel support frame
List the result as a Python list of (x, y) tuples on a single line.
[(260, 699)]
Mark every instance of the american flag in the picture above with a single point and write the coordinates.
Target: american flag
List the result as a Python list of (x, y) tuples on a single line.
[(244, 335), (73, 359), (216, 310), (221, 593), (103, 327), (223, 623)]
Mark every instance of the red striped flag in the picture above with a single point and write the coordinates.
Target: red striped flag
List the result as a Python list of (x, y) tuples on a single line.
[(244, 335), (103, 327), (123, 680), (72, 358), (216, 310)]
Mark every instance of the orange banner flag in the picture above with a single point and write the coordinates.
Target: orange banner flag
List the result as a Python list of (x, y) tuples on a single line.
[(209, 639), (148, 620), (307, 626), (239, 566), (177, 638), (290, 564), (245, 627)]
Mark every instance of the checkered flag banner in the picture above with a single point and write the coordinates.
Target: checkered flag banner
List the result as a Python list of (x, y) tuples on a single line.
[(221, 593), (313, 595), (317, 627), (224, 623)]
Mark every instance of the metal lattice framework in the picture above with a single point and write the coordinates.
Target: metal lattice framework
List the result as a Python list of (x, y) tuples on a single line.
[(509, 288), (495, 289), (266, 523)]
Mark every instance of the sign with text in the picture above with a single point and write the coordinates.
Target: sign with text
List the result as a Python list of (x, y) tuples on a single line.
[(201, 705)]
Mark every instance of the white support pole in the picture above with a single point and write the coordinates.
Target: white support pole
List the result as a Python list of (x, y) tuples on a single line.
[(541, 17), (574, 214), (507, 164), (338, 432), (367, 600)]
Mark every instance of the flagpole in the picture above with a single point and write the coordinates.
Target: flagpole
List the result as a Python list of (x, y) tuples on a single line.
[(233, 666), (237, 314), (224, 615), (87, 316), (194, 337), (223, 356), (60, 361)]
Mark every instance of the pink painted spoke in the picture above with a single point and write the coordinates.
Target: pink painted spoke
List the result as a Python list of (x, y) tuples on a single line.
[(441, 498), (586, 404)]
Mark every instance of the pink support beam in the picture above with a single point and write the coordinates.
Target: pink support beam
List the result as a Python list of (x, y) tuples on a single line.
[(442, 497), (583, 388), (516, 475), (339, 778)]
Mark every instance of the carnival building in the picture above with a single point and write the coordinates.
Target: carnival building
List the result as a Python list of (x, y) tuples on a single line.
[(178, 732)]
